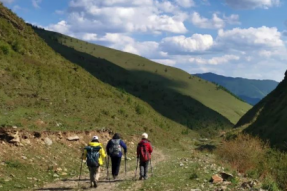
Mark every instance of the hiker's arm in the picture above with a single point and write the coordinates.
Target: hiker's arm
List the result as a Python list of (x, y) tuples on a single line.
[(124, 146), (150, 148), (107, 148), (84, 155), (138, 151), (103, 153)]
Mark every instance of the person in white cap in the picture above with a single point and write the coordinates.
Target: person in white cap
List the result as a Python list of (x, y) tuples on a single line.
[(95, 155), (144, 151)]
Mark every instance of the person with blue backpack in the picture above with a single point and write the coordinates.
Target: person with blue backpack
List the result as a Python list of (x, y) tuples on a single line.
[(114, 150), (95, 155)]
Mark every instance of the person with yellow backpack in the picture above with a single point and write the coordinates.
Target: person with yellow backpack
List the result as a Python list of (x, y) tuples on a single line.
[(95, 155)]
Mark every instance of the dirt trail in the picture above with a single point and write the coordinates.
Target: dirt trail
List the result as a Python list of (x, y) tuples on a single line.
[(103, 184)]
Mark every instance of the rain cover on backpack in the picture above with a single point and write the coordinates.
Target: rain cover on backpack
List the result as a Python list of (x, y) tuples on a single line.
[(115, 148), (93, 156)]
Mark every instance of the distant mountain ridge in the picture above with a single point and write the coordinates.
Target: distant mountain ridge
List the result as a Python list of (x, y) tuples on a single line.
[(249, 90)]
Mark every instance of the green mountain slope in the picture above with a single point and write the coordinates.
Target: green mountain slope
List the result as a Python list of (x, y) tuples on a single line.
[(251, 91), (172, 92), (268, 119), (40, 90)]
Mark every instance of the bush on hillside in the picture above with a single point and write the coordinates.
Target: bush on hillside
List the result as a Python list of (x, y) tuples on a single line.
[(139, 109), (244, 153), (5, 49), (17, 47)]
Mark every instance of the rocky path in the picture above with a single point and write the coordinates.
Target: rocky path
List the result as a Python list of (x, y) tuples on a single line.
[(104, 184)]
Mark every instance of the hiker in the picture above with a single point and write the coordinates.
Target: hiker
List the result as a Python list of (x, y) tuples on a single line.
[(114, 150), (95, 155), (144, 151)]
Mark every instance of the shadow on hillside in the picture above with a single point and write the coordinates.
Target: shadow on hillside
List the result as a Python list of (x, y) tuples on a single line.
[(156, 90), (206, 147)]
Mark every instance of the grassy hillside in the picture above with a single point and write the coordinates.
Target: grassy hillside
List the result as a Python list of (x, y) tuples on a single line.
[(251, 91), (40, 90), (170, 91), (268, 119)]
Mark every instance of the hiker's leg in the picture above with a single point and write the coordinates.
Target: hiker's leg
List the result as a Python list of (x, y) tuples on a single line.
[(98, 172), (92, 175), (145, 169), (113, 165), (118, 164), (141, 169)]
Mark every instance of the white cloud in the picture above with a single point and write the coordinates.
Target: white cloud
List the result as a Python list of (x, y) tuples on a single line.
[(90, 37), (166, 6), (252, 4), (168, 62), (251, 39), (182, 45), (215, 22), (7, 1), (61, 27), (36, 3), (214, 60), (186, 3), (125, 16)]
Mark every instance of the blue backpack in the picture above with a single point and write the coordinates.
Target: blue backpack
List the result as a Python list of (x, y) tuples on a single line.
[(93, 155)]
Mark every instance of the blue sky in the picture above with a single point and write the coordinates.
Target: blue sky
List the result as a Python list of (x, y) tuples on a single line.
[(239, 38)]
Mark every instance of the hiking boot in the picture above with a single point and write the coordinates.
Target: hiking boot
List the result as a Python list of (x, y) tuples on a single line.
[(115, 177), (95, 185), (141, 178), (145, 178)]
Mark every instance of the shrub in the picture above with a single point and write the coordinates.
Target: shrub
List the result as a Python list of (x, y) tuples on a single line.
[(17, 47), (140, 109), (269, 184), (243, 153), (5, 49)]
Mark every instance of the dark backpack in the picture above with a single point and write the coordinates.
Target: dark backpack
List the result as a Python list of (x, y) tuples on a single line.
[(144, 155), (115, 148), (93, 155)]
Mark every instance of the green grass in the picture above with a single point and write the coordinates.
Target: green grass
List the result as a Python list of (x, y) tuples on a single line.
[(271, 117), (170, 91)]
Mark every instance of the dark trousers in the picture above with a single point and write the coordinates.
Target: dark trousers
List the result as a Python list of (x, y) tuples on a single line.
[(116, 163), (143, 169)]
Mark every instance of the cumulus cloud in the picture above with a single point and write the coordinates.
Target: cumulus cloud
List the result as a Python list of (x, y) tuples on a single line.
[(249, 39), (215, 22), (90, 37), (125, 16), (185, 3), (252, 4), (182, 45), (61, 27)]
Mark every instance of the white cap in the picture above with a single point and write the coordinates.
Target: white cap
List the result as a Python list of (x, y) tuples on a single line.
[(95, 138), (145, 135)]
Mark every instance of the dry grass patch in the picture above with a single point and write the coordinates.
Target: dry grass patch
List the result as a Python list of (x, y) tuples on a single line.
[(244, 153)]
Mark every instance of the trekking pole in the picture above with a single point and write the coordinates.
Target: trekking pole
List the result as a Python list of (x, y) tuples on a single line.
[(107, 162), (151, 167), (125, 164), (108, 173), (80, 170), (136, 169)]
